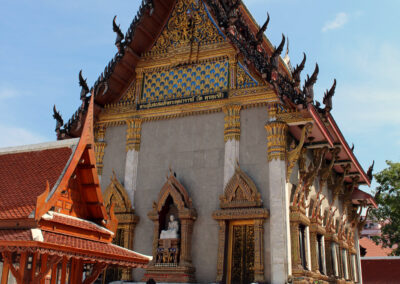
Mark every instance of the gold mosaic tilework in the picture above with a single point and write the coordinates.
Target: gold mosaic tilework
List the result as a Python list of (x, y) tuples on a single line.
[(186, 81), (244, 80)]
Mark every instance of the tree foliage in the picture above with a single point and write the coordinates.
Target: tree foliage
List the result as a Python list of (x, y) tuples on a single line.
[(388, 211)]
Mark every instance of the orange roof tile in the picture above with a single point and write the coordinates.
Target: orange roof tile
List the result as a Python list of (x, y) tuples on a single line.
[(76, 222), (23, 177), (70, 246), (374, 249)]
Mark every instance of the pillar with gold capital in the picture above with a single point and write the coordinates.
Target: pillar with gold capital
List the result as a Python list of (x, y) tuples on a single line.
[(100, 145), (133, 135), (232, 139), (279, 203)]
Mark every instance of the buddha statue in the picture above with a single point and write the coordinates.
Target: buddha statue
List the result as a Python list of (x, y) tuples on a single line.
[(173, 228)]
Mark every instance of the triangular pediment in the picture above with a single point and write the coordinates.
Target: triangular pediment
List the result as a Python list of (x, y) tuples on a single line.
[(77, 192), (190, 22), (116, 193), (240, 191)]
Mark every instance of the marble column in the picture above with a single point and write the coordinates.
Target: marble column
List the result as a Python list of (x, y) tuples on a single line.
[(232, 138), (358, 257), (133, 135), (278, 197), (100, 145)]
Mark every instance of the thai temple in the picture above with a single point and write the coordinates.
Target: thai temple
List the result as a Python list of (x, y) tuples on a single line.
[(210, 156)]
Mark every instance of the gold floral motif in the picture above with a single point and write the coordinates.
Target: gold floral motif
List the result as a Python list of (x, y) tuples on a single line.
[(189, 23), (244, 80), (133, 134), (130, 94), (232, 122), (276, 140)]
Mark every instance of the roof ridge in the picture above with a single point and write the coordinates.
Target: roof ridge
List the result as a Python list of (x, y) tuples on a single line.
[(40, 146)]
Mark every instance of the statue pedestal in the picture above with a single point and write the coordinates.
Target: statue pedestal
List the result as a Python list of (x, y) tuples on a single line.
[(167, 267)]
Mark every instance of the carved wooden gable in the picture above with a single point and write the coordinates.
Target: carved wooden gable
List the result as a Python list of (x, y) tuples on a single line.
[(240, 192), (116, 193), (189, 22)]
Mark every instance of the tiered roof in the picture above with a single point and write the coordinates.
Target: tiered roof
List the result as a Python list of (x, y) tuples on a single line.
[(51, 203)]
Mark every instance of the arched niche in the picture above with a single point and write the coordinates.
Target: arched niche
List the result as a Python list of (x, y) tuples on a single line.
[(172, 260), (127, 220), (241, 211)]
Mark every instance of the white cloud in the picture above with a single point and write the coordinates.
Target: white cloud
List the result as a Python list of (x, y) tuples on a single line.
[(6, 93), (15, 136), (339, 21)]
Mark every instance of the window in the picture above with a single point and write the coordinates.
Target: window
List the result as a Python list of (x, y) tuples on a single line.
[(354, 264), (335, 256), (321, 253), (344, 264), (302, 245)]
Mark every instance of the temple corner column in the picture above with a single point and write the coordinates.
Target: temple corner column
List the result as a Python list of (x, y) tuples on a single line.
[(232, 140), (278, 199), (133, 137)]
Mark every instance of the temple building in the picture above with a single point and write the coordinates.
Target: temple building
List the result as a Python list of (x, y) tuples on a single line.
[(54, 226), (219, 162)]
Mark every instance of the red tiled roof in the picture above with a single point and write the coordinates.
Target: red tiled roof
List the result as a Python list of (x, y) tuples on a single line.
[(70, 246), (77, 222), (23, 177), (374, 249)]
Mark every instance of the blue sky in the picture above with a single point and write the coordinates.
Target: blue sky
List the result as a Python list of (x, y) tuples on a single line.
[(44, 44)]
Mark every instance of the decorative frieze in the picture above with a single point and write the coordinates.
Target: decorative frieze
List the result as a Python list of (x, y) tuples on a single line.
[(276, 137), (232, 122), (100, 145), (134, 127)]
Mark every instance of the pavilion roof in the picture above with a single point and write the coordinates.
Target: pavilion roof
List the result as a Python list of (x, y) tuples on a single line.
[(70, 246), (24, 172)]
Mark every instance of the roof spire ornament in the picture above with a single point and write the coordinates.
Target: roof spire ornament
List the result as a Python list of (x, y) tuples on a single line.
[(328, 97), (370, 170), (297, 71), (274, 60), (120, 36), (59, 121), (308, 89), (286, 59), (262, 30), (83, 84)]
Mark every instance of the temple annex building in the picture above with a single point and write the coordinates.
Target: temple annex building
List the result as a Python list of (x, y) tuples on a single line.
[(217, 161)]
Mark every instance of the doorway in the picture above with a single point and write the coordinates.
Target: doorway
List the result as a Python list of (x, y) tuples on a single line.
[(240, 268)]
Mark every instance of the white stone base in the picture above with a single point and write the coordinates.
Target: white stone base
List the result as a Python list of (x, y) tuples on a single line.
[(131, 166), (231, 158)]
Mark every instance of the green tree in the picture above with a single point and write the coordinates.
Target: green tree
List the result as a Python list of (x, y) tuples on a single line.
[(388, 212)]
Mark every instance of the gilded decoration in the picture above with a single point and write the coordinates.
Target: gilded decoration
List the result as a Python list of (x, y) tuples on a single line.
[(100, 145), (196, 80), (133, 134), (116, 195), (276, 140), (232, 122), (294, 153), (130, 94), (189, 23), (172, 259), (244, 79), (240, 204)]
